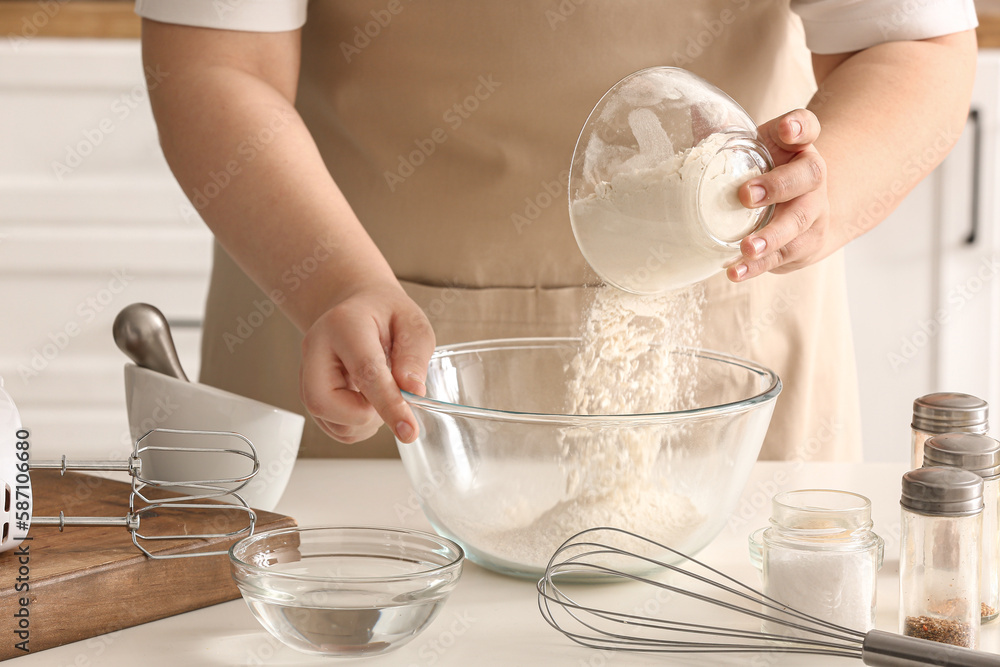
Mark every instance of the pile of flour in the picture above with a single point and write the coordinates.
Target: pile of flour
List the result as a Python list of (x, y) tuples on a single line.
[(644, 228), (614, 476), (626, 365)]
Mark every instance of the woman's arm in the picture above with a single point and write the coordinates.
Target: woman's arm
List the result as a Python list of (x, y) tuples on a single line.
[(239, 149), (889, 115)]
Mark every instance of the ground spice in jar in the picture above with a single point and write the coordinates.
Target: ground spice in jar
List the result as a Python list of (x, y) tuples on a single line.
[(987, 611), (941, 630)]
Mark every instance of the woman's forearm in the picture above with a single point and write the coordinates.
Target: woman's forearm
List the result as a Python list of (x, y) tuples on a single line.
[(250, 167), (889, 115)]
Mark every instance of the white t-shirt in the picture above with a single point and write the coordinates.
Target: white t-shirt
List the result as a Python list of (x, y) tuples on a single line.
[(831, 26)]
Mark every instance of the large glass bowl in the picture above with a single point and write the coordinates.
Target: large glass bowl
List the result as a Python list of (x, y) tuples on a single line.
[(502, 470)]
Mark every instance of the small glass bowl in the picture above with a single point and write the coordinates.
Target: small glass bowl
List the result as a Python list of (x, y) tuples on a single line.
[(345, 591)]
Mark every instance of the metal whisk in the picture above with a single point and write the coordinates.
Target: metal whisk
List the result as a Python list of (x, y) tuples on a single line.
[(195, 490), (611, 554)]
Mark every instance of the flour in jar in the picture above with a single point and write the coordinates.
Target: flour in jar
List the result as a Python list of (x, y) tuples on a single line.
[(665, 220), (628, 363)]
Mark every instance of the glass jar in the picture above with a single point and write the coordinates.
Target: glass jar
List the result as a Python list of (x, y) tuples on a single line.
[(820, 557), (946, 412), (979, 454), (939, 559), (653, 183)]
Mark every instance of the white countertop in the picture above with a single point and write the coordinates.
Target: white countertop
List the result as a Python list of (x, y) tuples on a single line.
[(490, 620)]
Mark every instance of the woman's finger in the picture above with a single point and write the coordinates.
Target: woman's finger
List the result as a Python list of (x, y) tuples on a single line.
[(805, 172), (786, 238), (791, 219), (791, 255), (348, 435), (412, 347), (790, 131), (360, 349), (324, 387)]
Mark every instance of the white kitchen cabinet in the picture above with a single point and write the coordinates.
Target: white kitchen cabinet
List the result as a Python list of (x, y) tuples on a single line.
[(925, 289), (90, 220)]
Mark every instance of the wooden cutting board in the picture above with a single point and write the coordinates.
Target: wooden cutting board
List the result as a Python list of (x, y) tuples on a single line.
[(87, 581)]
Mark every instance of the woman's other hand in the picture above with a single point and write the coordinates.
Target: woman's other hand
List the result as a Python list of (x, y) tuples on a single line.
[(796, 235), (356, 358)]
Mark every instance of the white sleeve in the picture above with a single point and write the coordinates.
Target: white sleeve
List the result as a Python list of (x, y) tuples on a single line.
[(249, 15), (840, 26)]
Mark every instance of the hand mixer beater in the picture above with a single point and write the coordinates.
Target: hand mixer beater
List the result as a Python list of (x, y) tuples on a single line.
[(605, 619), (146, 497)]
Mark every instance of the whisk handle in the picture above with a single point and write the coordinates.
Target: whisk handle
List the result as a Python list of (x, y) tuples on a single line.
[(885, 649)]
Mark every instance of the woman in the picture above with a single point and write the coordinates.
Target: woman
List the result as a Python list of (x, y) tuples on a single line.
[(391, 173)]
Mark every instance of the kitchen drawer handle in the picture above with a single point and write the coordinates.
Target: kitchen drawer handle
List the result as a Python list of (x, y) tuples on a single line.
[(184, 323), (977, 136)]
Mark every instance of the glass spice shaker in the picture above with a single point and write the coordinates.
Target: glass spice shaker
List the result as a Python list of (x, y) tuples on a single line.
[(979, 454), (820, 557), (939, 559), (945, 412)]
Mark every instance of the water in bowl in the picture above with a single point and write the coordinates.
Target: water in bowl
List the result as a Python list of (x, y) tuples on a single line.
[(348, 631), (346, 619)]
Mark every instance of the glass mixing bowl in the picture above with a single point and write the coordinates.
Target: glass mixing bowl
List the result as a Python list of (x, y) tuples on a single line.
[(500, 467), (345, 591), (654, 181)]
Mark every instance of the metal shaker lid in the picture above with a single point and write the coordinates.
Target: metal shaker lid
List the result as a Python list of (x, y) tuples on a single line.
[(972, 451), (942, 491), (945, 412)]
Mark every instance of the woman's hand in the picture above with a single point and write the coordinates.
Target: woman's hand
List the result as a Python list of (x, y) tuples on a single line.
[(358, 355), (798, 233)]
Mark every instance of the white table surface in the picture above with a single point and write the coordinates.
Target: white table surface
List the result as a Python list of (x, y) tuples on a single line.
[(490, 620)]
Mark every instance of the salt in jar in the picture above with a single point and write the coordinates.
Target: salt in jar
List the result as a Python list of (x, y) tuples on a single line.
[(820, 557)]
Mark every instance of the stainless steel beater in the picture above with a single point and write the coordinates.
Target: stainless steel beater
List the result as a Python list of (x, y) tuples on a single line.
[(598, 554), (140, 501)]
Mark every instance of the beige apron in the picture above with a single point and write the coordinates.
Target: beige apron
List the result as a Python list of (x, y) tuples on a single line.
[(449, 126)]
